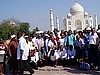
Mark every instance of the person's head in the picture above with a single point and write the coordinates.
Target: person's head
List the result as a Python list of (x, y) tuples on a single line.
[(30, 38), (42, 34), (20, 34), (51, 34), (56, 34), (62, 31), (13, 38), (39, 36), (46, 36), (65, 33), (48, 32), (69, 32), (78, 37), (80, 33), (9, 36), (1, 41), (93, 31), (98, 33), (88, 30), (62, 35), (52, 38), (34, 34), (75, 32), (27, 38)]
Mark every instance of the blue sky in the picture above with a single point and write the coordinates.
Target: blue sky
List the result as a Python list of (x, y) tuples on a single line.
[(36, 12)]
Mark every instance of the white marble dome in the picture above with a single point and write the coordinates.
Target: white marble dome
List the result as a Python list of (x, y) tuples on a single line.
[(77, 9)]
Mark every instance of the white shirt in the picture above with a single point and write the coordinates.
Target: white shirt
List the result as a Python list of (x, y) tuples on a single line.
[(51, 44), (53, 58), (93, 39), (35, 58), (46, 41), (56, 54), (34, 41), (40, 43), (62, 54), (22, 45), (61, 41)]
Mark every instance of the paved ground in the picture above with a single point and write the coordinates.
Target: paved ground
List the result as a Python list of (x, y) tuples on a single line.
[(59, 70)]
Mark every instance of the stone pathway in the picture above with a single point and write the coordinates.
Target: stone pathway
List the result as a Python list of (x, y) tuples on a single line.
[(59, 70)]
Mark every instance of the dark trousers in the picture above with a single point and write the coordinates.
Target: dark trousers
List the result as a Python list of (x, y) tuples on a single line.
[(25, 65), (99, 58), (62, 62), (41, 63), (93, 54), (34, 65), (4, 63), (53, 63), (13, 65)]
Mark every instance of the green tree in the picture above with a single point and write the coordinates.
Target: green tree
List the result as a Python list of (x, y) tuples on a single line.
[(25, 27), (6, 28)]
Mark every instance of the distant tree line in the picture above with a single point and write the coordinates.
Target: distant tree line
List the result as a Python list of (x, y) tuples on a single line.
[(11, 26)]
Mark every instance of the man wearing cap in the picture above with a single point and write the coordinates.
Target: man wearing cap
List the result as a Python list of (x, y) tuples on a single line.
[(46, 40), (22, 54), (13, 54), (93, 50)]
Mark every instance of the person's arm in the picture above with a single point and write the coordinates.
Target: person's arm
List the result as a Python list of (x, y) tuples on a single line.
[(21, 53), (22, 45)]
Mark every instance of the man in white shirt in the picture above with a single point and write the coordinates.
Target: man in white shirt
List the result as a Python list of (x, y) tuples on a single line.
[(53, 46), (93, 49), (46, 40), (39, 42), (62, 56), (22, 54)]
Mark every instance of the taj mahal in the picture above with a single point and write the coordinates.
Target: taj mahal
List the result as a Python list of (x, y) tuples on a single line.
[(76, 19)]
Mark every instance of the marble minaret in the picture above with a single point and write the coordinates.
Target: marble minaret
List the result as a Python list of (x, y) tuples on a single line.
[(57, 23), (95, 21), (51, 20)]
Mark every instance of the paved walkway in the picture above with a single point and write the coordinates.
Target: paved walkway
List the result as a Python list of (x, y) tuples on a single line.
[(59, 70)]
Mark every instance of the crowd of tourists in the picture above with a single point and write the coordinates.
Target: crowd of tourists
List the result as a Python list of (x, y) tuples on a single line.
[(28, 52)]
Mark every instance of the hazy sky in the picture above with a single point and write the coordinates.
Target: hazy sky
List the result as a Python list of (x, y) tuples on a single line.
[(36, 12)]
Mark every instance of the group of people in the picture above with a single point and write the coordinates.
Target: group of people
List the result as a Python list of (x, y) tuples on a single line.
[(28, 52)]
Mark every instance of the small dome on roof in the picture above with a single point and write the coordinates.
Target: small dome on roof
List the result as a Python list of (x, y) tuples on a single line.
[(69, 15), (85, 13)]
